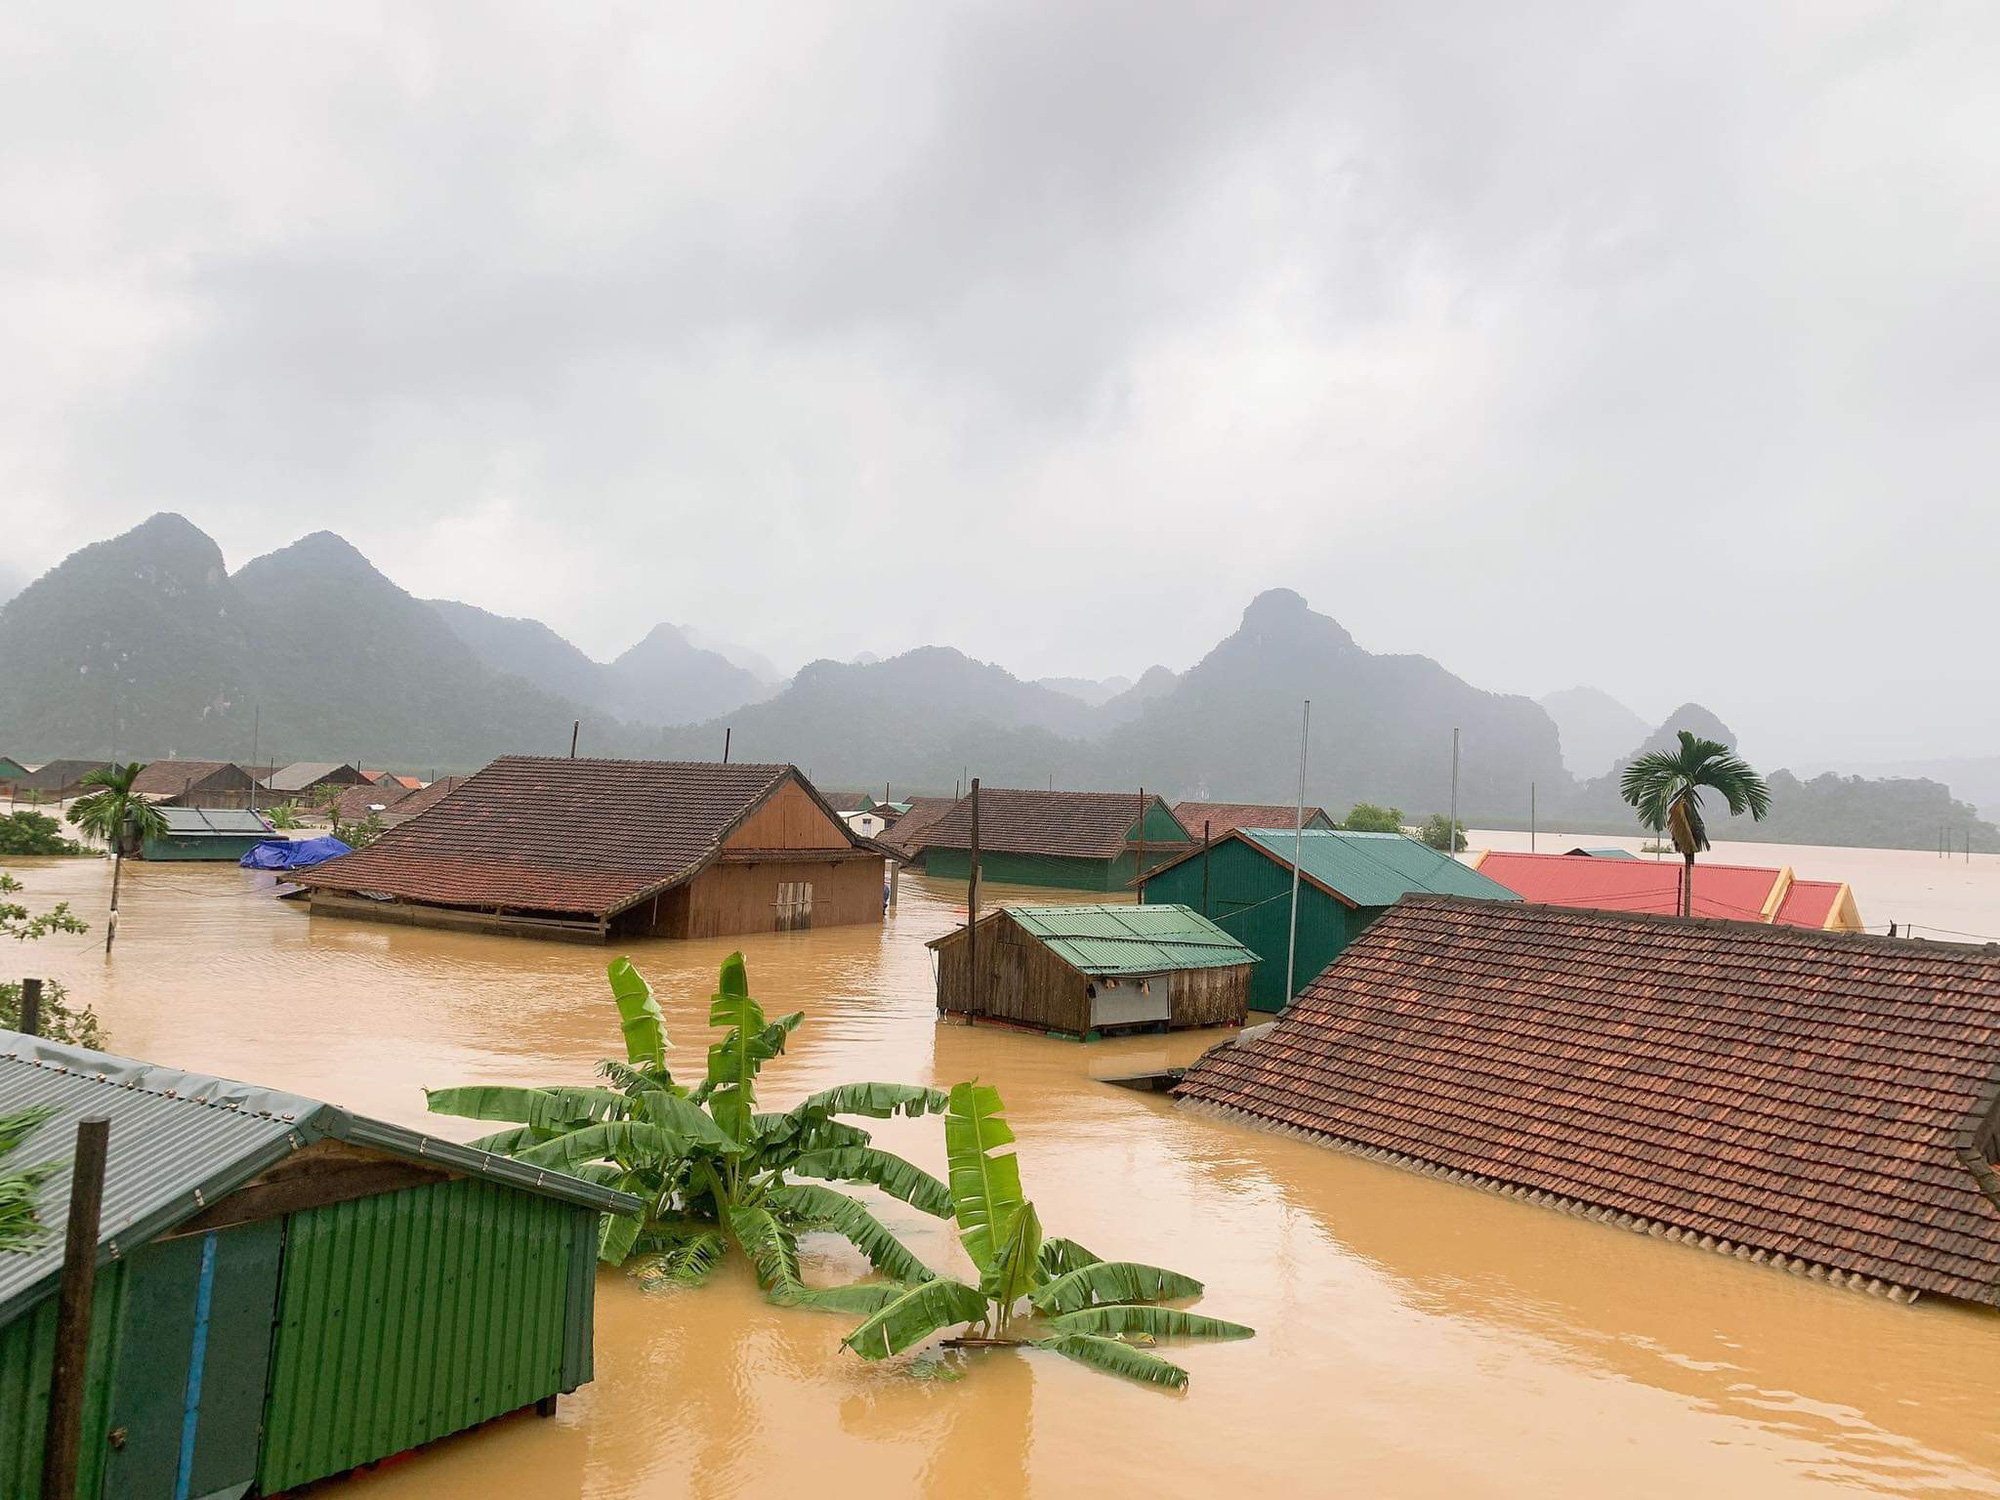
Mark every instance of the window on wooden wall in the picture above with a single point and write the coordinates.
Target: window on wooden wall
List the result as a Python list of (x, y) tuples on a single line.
[(794, 904)]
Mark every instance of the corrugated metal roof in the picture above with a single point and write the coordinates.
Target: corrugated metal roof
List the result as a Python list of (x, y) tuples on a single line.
[(1376, 869), (180, 1141), (1101, 939), (184, 821)]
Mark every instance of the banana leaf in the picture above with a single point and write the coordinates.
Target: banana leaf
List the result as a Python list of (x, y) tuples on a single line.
[(749, 1043), (686, 1261), (622, 1139), (638, 1016), (985, 1182), (1113, 1281), (878, 1101), (16, 1127), (1158, 1322), (888, 1172), (864, 1297), (672, 1112), (508, 1142), (616, 1234), (1118, 1358), (915, 1316), (545, 1109), (1060, 1256), (1014, 1266), (772, 1249), (819, 1206)]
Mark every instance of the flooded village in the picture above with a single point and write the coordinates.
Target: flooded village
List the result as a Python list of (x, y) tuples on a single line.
[(1446, 1270)]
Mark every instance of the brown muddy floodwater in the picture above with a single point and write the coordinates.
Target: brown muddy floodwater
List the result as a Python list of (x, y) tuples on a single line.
[(1414, 1338)]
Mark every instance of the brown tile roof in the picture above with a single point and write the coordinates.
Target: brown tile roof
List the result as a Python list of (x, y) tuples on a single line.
[(59, 775), (356, 802), (1223, 816), (905, 836), (1826, 1098), (424, 798), (1074, 825), (169, 778), (536, 833)]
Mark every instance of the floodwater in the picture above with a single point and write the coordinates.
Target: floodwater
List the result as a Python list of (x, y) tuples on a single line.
[(1414, 1338)]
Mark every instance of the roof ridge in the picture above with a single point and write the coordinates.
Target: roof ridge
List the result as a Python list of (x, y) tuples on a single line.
[(133, 1086)]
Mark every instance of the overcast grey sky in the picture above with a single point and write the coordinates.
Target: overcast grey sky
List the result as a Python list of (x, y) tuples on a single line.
[(1652, 347)]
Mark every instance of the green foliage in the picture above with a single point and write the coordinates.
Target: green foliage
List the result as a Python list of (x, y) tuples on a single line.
[(1664, 788), (360, 834), (35, 833), (18, 1185), (1367, 817), (17, 922), (712, 1171), (1095, 1311), (60, 1021), (1439, 834), (284, 817), (114, 813)]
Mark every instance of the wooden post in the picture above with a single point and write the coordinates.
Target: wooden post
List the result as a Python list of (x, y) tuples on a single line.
[(31, 1006), (972, 913), (1204, 867), (575, 725), (727, 732), (1139, 859), (70, 1372)]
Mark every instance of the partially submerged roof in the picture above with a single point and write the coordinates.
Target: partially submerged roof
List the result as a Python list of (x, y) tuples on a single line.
[(1070, 825), (220, 822), (302, 774), (180, 1141), (906, 835), (1101, 939), (1748, 893), (1365, 869), (54, 775), (1605, 853), (1220, 817), (1825, 1099), (542, 833), (169, 778)]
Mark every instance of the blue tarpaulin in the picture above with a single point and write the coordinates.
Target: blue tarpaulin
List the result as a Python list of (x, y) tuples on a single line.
[(287, 854)]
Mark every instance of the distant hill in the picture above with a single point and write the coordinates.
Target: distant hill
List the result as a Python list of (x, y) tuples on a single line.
[(1122, 708), (665, 680), (528, 649), (144, 645), (1091, 690), (1595, 727), (1976, 778), (755, 663)]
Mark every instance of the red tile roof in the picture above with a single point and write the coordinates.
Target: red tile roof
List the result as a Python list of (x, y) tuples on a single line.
[(533, 833), (1223, 816), (1825, 1098), (1074, 825), (356, 802)]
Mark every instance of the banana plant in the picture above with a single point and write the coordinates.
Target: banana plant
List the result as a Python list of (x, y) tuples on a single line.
[(1101, 1313), (712, 1170)]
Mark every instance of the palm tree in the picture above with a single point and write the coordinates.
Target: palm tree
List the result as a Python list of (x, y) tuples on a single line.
[(1664, 787), (122, 818)]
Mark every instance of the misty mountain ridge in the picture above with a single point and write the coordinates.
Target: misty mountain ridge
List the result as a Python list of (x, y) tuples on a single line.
[(145, 643), (1595, 728)]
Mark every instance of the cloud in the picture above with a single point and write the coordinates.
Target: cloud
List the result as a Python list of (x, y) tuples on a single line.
[(1564, 343)]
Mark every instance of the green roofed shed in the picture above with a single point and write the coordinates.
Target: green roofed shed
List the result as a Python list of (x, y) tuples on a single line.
[(1085, 969), (1244, 882), (261, 1317)]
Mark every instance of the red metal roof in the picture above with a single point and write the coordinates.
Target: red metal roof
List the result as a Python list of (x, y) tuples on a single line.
[(1731, 892), (1809, 903), (533, 833), (1825, 1098)]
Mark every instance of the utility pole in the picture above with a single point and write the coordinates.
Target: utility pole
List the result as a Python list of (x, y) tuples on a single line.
[(727, 731), (256, 726), (1204, 867), (1531, 818), (972, 912), (1298, 853), (1451, 831), (574, 726), (1139, 860)]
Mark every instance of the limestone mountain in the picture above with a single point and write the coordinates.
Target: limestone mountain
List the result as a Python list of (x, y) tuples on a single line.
[(1595, 727), (665, 679), (528, 649), (1091, 690)]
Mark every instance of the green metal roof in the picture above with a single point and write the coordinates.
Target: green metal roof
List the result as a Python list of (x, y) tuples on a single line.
[(181, 1141), (1376, 869), (1102, 939)]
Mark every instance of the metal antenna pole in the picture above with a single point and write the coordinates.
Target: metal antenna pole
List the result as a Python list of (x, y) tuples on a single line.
[(1451, 831), (1298, 852)]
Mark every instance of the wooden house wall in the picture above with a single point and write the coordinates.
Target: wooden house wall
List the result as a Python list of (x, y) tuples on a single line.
[(731, 897), (1020, 980), (789, 819), (1210, 997)]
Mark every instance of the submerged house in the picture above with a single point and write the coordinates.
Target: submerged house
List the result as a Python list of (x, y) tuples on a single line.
[(1085, 970), (1077, 841), (284, 1290), (591, 850), (195, 783), (391, 801), (1220, 817), (1744, 893), (905, 837), (1824, 1102), (206, 833), (1243, 881), (58, 780), (303, 777)]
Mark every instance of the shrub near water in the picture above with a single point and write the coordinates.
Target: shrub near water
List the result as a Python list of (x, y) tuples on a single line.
[(35, 833)]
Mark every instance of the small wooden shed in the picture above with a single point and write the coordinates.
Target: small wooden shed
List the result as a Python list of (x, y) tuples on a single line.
[(284, 1290), (1090, 969)]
